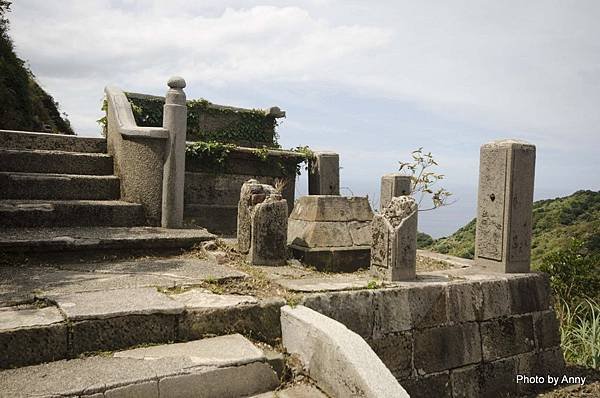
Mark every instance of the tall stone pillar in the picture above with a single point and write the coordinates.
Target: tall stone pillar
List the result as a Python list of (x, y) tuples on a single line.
[(394, 243), (324, 174), (175, 121), (392, 186), (504, 206)]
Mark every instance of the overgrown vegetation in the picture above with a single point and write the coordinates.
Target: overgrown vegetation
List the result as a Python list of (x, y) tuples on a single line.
[(209, 122), (555, 222), (424, 180), (25, 105), (575, 280)]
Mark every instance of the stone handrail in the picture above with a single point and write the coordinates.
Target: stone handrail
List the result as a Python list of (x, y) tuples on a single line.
[(150, 161), (123, 113)]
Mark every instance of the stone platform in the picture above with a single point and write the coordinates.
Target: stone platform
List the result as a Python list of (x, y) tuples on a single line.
[(457, 329)]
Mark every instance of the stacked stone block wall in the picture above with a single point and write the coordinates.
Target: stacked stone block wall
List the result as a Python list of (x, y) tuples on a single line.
[(467, 337)]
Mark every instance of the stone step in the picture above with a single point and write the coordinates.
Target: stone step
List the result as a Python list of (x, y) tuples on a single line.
[(225, 366), (294, 391), (70, 213), (60, 162), (58, 186), (97, 239), (10, 139), (76, 323)]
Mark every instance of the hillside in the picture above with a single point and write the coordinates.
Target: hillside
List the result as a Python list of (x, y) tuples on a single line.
[(24, 103), (555, 221)]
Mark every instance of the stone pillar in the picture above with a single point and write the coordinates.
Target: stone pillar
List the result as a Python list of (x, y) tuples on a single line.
[(393, 185), (394, 240), (175, 121), (324, 174), (269, 232), (504, 205)]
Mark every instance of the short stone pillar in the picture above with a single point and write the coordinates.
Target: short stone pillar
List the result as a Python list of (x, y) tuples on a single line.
[(324, 174), (175, 121), (504, 206), (262, 224), (394, 240), (393, 185)]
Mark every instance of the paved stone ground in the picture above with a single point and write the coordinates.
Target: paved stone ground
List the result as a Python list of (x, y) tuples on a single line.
[(23, 283)]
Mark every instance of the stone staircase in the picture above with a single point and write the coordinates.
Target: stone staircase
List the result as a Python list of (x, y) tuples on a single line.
[(53, 180), (59, 193)]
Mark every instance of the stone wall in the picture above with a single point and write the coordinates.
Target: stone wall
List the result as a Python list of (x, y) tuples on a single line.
[(211, 196), (466, 335)]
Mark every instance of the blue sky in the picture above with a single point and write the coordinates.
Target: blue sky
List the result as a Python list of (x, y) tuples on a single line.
[(370, 80)]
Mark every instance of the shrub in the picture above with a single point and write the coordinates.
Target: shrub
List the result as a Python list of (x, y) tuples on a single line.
[(574, 272)]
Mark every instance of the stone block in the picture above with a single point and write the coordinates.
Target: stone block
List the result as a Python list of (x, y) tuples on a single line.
[(392, 311), (269, 233), (324, 174), (220, 351), (496, 299), (334, 259), (360, 232), (242, 381), (504, 206), (396, 352), (392, 186), (148, 389), (114, 303), (529, 293), (427, 386), (258, 320), (547, 329), (354, 309), (465, 302), (507, 337), (121, 332), (394, 240), (499, 378), (427, 305), (320, 234), (447, 347), (27, 346), (466, 382)]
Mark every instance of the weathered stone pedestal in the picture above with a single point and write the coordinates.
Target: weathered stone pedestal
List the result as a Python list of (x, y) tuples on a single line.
[(394, 247), (262, 224), (331, 233), (504, 206)]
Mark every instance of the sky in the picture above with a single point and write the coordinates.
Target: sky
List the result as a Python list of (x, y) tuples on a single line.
[(371, 80)]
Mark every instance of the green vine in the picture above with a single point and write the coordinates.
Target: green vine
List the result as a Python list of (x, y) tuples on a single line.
[(208, 122), (211, 154)]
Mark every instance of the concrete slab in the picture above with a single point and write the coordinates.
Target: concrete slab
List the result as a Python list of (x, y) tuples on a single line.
[(200, 298), (35, 280), (98, 238), (321, 284), (231, 350), (16, 318), (113, 303)]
